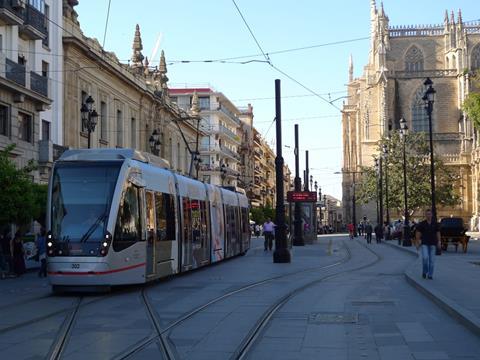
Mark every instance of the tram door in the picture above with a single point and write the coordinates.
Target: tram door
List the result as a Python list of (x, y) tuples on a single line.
[(151, 233)]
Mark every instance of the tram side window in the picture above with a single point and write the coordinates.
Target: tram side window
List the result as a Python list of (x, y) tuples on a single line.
[(165, 207), (187, 220), (128, 228)]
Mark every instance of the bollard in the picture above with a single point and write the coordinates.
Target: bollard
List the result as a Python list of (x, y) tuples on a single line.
[(329, 249)]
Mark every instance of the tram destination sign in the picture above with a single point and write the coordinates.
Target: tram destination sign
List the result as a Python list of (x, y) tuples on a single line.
[(301, 196)]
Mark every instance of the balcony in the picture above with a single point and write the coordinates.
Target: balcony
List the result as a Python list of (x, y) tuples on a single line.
[(39, 83), (15, 72), (229, 114), (11, 12), (34, 24), (230, 153), (227, 133)]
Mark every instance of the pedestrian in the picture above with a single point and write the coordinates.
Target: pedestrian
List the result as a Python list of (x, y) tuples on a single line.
[(350, 228), (42, 253), (258, 230), (3, 261), (368, 231), (7, 253), (268, 232), (18, 254), (378, 233), (427, 237)]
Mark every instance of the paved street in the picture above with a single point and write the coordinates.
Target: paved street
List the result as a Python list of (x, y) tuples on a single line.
[(336, 300)]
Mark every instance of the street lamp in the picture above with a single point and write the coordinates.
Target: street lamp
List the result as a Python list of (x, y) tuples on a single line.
[(154, 142), (378, 167), (89, 116), (385, 155), (406, 227), (311, 182), (429, 99)]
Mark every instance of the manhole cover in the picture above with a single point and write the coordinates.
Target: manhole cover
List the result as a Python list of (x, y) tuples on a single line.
[(333, 318)]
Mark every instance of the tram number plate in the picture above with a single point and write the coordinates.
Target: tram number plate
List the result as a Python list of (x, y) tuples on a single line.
[(75, 266)]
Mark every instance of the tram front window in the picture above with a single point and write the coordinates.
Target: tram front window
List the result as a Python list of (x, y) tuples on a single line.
[(81, 200)]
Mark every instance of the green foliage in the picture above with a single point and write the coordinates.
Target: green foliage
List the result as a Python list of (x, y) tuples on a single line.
[(20, 199), (418, 176), (471, 106), (259, 215)]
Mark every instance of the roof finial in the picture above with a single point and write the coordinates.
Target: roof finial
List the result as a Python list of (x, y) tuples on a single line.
[(446, 18), (137, 47), (452, 19), (163, 64), (350, 69), (195, 109), (460, 21), (382, 11)]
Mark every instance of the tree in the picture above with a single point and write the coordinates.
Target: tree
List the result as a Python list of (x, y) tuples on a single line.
[(471, 105), (418, 176), (17, 198)]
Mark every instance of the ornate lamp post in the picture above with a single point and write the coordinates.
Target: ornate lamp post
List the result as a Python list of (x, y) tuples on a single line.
[(89, 116), (154, 142), (385, 155), (406, 227), (429, 99)]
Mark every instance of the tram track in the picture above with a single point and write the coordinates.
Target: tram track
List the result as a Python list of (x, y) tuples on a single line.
[(168, 348), (63, 335), (255, 333)]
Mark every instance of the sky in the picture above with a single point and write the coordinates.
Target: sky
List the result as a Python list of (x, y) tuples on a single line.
[(191, 30)]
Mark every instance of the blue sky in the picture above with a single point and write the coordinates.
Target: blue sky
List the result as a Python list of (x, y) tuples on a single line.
[(213, 29)]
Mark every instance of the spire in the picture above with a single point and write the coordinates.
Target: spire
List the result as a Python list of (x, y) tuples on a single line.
[(146, 63), (195, 109), (350, 69), (446, 18), (452, 19), (163, 64), (382, 11), (460, 21), (137, 47)]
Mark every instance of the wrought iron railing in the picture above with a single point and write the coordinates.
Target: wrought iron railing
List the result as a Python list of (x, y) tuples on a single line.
[(39, 83), (15, 72), (36, 19)]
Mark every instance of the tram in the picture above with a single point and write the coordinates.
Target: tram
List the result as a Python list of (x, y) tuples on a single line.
[(120, 216)]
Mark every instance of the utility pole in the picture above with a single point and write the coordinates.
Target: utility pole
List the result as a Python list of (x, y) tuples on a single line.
[(306, 171), (297, 223), (281, 253)]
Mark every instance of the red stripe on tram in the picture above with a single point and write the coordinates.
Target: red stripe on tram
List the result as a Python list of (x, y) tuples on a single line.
[(95, 272)]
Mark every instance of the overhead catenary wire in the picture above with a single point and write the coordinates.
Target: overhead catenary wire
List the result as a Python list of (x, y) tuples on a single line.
[(106, 23)]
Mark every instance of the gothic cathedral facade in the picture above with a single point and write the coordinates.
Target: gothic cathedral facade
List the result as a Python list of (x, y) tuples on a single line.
[(391, 87)]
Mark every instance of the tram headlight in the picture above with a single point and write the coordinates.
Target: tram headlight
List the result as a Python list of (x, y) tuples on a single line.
[(49, 244), (105, 244)]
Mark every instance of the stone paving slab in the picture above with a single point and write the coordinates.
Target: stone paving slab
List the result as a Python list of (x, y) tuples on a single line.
[(454, 275)]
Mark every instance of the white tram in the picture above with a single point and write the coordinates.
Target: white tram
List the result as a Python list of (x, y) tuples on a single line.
[(119, 216)]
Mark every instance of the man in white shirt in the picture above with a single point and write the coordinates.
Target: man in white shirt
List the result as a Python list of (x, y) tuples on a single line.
[(268, 232)]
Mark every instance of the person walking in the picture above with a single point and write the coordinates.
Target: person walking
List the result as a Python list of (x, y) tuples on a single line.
[(378, 233), (18, 254), (428, 237), (42, 253), (258, 230), (268, 232), (368, 232), (351, 229)]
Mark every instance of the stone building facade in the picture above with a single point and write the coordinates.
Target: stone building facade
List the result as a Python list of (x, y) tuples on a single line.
[(391, 87), (30, 92), (132, 100)]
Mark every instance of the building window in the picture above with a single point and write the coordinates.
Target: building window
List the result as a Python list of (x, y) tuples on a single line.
[(46, 20), (38, 4), (103, 120), (119, 128), (204, 102), (45, 68), (414, 59), (133, 133), (1, 43), (4, 121), (476, 57), (367, 125), (419, 114), (83, 97), (25, 127), (173, 99), (45, 130)]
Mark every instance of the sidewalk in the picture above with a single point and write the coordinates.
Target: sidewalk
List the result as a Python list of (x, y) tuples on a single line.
[(455, 285)]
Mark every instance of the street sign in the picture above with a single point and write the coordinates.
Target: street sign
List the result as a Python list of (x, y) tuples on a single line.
[(301, 196)]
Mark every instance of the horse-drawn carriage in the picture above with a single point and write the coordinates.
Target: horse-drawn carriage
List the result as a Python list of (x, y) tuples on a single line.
[(453, 231)]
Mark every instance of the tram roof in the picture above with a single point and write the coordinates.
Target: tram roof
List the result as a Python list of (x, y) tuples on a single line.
[(113, 154)]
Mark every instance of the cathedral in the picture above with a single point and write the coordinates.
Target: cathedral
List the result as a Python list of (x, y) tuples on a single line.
[(391, 87)]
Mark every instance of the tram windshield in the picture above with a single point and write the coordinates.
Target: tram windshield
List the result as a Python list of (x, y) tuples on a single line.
[(81, 200)]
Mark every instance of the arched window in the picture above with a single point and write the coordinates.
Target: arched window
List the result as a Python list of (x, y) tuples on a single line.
[(476, 57), (367, 125), (419, 114), (414, 59)]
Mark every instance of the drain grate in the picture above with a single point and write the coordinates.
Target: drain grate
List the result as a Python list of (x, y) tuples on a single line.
[(333, 318)]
